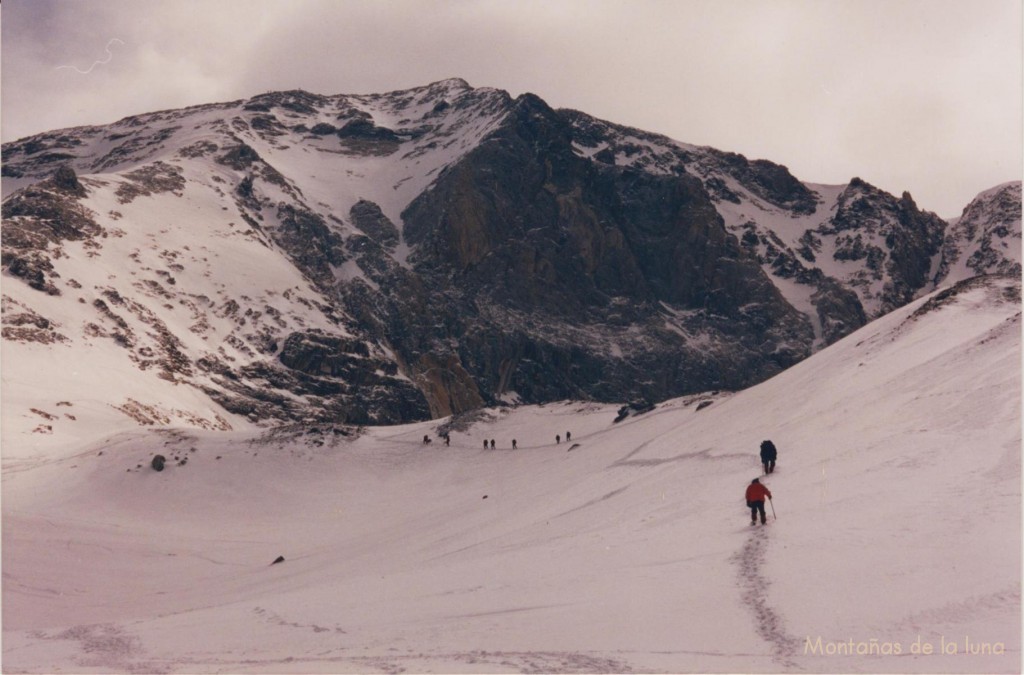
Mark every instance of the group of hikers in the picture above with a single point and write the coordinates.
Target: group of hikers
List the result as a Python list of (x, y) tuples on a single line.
[(492, 444), (755, 495), (756, 492), (515, 443)]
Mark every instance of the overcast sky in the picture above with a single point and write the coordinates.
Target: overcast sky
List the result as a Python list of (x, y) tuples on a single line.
[(916, 95)]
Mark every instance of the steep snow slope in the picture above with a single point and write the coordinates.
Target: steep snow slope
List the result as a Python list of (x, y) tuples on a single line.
[(181, 278), (156, 292), (295, 132), (897, 494)]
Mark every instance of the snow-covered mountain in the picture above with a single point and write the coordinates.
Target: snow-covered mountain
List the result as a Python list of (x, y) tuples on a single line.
[(896, 547), (373, 259)]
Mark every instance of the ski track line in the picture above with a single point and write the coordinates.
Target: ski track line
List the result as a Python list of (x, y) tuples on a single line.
[(767, 622), (398, 662)]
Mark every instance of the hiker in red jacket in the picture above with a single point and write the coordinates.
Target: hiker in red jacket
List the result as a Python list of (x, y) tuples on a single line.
[(755, 501)]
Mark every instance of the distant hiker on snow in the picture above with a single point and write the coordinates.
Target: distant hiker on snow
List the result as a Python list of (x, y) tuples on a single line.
[(568, 436), (558, 439), (755, 501), (492, 444), (768, 455), (513, 444)]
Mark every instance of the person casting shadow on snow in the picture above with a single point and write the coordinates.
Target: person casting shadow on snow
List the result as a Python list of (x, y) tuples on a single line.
[(755, 501), (768, 455)]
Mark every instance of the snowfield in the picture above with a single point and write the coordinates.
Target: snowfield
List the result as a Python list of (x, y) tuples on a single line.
[(626, 549)]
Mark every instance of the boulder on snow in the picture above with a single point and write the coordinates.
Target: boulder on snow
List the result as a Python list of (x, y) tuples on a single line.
[(158, 463), (65, 179)]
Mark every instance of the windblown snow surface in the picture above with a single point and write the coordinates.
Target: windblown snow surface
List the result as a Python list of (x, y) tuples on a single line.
[(626, 549)]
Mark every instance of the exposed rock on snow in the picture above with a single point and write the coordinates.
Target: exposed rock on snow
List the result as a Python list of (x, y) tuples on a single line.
[(986, 239)]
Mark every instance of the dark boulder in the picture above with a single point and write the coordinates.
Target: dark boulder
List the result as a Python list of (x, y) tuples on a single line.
[(240, 157), (364, 128), (323, 129), (65, 180)]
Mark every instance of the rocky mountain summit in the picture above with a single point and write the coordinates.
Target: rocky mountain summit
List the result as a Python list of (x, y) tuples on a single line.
[(372, 259)]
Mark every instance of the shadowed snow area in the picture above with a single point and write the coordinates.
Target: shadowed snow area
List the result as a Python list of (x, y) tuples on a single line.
[(626, 549)]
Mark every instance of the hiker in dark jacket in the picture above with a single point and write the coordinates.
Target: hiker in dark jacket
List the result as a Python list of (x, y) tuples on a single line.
[(755, 501), (768, 455)]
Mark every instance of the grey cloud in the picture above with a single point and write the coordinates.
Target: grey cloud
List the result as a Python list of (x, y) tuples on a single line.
[(909, 95)]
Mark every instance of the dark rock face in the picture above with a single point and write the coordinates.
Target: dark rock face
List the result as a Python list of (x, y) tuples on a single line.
[(309, 241), (912, 246), (368, 217), (330, 376), (560, 236), (557, 274), (339, 377), (839, 310), (770, 181), (315, 354)]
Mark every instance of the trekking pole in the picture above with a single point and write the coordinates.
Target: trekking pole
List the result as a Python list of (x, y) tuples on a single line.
[(772, 504)]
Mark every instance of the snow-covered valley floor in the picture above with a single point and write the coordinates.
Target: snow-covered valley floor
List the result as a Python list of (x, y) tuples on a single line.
[(628, 548)]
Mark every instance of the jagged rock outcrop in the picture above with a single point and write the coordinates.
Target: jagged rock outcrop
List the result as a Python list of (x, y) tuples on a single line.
[(896, 241), (36, 222), (339, 379), (315, 248), (769, 181), (368, 217), (986, 239)]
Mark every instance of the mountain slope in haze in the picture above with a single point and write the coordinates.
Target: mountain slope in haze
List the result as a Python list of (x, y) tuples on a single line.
[(897, 497), (381, 258)]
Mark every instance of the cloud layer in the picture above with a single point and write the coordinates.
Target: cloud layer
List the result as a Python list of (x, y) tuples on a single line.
[(918, 95)]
